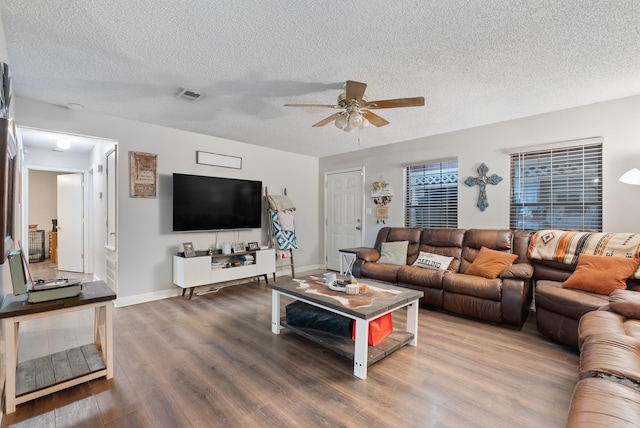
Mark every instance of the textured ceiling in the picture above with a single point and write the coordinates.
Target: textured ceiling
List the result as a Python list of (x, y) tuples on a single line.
[(475, 62)]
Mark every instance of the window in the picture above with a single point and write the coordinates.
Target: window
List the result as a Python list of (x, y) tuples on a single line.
[(431, 195), (559, 188)]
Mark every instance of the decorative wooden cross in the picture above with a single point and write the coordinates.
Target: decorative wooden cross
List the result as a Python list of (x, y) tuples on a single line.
[(482, 180)]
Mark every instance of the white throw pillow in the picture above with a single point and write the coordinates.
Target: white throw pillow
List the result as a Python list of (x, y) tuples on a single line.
[(394, 253), (432, 261)]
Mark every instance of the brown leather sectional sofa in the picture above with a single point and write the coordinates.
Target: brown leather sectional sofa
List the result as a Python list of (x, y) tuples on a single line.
[(604, 328), (559, 309), (505, 299), (608, 392)]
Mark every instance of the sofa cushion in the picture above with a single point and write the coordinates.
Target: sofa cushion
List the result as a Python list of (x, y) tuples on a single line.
[(471, 285), (380, 272), (444, 242), (394, 234), (552, 296), (607, 323), (601, 274), (414, 275), (489, 263), (602, 403), (475, 239), (432, 261), (394, 253), (626, 303), (614, 354)]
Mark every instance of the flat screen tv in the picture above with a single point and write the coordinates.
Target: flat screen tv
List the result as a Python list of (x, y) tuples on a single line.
[(215, 203)]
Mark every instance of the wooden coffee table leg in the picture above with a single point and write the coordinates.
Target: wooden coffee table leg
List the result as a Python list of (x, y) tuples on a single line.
[(412, 321), (361, 348), (275, 312)]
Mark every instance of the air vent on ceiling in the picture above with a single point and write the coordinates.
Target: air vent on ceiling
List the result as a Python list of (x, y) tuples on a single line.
[(186, 94)]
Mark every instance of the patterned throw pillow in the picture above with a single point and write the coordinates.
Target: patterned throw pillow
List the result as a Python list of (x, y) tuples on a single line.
[(432, 261)]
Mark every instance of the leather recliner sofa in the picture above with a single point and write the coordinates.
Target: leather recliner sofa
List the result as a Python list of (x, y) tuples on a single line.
[(608, 392), (559, 309), (505, 299)]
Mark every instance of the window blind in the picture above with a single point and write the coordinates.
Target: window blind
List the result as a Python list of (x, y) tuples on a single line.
[(431, 195), (558, 188)]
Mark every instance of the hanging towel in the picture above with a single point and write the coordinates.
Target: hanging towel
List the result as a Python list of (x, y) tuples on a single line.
[(280, 203), (286, 220), (285, 239)]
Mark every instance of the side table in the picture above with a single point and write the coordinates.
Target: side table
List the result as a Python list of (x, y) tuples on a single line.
[(32, 379), (347, 258)]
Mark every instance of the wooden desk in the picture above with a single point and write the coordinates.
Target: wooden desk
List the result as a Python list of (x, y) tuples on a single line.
[(36, 378)]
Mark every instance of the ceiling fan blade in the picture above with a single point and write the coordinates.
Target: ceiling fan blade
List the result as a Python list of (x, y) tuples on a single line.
[(331, 118), (312, 105), (354, 90), (398, 102), (374, 119)]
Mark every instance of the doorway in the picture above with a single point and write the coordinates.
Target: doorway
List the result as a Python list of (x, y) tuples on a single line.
[(56, 212), (85, 159), (344, 205)]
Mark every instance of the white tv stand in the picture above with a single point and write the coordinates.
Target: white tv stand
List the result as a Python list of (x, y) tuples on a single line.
[(191, 272)]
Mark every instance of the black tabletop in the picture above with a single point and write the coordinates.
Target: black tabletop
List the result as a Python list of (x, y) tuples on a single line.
[(353, 250), (92, 292)]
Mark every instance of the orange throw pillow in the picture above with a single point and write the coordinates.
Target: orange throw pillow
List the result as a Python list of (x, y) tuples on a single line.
[(489, 263), (601, 274)]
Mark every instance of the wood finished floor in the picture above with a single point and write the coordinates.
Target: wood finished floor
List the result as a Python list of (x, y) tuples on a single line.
[(213, 362)]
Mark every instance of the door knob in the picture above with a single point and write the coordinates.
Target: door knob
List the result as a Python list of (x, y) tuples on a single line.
[(357, 227)]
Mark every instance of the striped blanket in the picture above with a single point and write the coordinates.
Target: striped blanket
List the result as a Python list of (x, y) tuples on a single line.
[(565, 246)]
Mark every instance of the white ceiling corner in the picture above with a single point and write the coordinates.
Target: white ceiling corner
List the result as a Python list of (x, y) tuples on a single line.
[(475, 62)]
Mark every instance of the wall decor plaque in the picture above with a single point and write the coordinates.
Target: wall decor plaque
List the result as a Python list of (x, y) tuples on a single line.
[(144, 175)]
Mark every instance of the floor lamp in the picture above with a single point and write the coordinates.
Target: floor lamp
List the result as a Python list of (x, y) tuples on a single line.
[(631, 177)]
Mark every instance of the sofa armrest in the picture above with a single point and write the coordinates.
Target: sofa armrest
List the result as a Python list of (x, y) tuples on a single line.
[(518, 270), (368, 255), (625, 303)]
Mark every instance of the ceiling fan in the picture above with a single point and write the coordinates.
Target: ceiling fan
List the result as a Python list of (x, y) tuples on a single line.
[(356, 109)]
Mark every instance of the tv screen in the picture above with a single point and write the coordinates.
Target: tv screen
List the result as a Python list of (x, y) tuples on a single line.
[(215, 203)]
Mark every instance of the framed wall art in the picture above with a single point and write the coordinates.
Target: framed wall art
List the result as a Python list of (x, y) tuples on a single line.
[(144, 175), (215, 159)]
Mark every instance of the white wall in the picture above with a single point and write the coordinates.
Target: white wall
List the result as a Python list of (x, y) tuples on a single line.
[(145, 240), (616, 121), (43, 193)]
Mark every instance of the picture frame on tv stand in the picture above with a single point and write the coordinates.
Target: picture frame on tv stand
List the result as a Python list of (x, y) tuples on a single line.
[(253, 246), (188, 249), (239, 247)]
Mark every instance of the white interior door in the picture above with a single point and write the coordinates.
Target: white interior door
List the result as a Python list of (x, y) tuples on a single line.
[(344, 214), (70, 222)]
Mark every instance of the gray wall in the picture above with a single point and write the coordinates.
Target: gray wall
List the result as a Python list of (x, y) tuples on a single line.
[(615, 121)]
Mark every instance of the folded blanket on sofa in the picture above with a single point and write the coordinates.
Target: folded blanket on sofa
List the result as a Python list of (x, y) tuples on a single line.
[(564, 246)]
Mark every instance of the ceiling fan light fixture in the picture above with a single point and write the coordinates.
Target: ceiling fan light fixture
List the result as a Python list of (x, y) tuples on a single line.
[(341, 121), (355, 119)]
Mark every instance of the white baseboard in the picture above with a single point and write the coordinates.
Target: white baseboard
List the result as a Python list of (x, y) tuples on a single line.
[(166, 294), (148, 297)]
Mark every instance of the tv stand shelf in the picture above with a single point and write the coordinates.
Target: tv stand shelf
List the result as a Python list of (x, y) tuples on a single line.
[(191, 272)]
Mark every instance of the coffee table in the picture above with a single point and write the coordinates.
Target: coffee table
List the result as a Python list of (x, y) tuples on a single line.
[(383, 299)]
